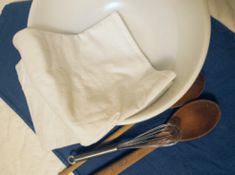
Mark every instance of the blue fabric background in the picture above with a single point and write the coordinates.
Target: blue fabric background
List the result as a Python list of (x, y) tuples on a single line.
[(211, 155)]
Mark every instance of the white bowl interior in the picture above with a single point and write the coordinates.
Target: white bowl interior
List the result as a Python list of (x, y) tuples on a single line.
[(174, 34)]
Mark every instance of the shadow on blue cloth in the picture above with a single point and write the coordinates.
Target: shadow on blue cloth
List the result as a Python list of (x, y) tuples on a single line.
[(211, 155)]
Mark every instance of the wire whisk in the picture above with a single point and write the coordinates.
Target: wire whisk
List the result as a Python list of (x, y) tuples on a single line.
[(160, 136)]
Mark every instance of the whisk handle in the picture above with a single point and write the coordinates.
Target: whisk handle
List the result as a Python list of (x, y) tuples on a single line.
[(92, 154), (124, 162)]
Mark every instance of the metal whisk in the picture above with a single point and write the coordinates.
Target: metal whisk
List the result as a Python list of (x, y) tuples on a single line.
[(160, 136)]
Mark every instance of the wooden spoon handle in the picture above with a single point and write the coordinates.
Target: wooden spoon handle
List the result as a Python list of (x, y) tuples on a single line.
[(124, 162), (71, 168), (113, 136), (117, 133)]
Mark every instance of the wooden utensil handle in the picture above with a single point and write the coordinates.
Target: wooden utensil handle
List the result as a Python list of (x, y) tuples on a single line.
[(117, 133), (124, 162), (71, 168), (113, 136)]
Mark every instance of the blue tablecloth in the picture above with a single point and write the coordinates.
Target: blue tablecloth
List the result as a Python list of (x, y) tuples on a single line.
[(211, 155)]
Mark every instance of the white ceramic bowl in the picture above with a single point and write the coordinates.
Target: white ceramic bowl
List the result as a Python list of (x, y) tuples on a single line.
[(174, 34)]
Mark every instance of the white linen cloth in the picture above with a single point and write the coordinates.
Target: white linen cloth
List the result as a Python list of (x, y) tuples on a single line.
[(78, 87), (20, 150), (224, 11)]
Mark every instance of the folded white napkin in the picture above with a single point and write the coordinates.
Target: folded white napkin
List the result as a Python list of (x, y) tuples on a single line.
[(78, 87)]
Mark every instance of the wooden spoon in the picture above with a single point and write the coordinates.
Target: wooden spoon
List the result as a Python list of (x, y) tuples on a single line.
[(195, 120)]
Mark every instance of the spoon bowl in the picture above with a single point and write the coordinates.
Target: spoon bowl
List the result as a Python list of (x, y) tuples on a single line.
[(196, 119)]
